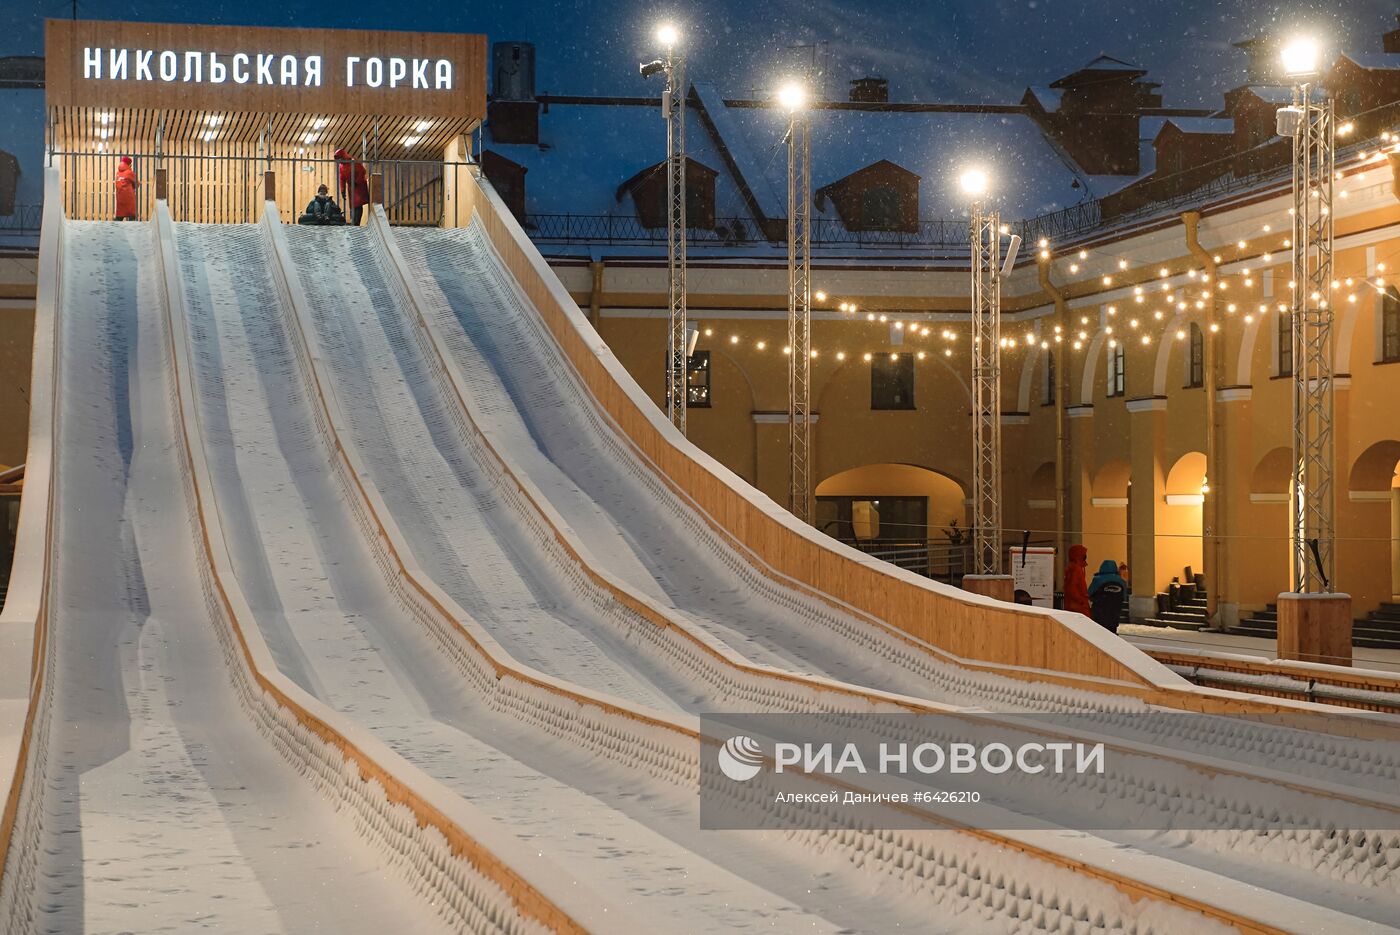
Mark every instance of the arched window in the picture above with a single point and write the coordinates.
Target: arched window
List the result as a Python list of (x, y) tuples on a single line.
[(879, 209), (1390, 325), (1116, 377), (1196, 358)]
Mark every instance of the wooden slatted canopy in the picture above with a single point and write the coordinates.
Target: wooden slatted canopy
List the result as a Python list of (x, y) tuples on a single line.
[(211, 135)]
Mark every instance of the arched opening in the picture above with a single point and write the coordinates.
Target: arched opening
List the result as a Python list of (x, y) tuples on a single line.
[(1371, 513), (903, 513), (1106, 513), (1178, 534)]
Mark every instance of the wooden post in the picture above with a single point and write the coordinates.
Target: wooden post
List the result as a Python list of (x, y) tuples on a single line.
[(997, 586), (269, 186), (1315, 628), (376, 188), (162, 184)]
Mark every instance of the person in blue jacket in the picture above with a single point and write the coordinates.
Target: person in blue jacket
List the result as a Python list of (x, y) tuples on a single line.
[(1107, 592)]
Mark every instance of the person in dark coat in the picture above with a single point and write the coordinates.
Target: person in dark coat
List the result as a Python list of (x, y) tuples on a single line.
[(354, 185), (322, 210), (127, 183), (1076, 596), (1107, 592)]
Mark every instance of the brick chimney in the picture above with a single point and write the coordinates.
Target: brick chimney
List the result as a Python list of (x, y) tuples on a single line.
[(1096, 120), (870, 90), (513, 114)]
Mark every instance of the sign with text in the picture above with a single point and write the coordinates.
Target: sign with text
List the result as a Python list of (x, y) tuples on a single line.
[(223, 68), (1033, 571)]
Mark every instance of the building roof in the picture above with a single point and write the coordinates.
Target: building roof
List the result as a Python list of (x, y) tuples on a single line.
[(1374, 61), (587, 150), (1199, 125), (1102, 68), (1030, 176), (1047, 98)]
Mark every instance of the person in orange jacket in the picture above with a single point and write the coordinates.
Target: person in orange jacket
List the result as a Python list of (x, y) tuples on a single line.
[(1076, 590), (354, 185), (127, 183)]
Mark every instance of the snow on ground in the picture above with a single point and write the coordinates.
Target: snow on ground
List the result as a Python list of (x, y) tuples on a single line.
[(165, 810), (1383, 660), (626, 835)]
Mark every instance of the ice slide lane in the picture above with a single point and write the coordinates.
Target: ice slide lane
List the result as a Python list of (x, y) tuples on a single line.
[(1315, 867), (352, 369), (163, 808), (357, 366), (373, 662), (537, 413)]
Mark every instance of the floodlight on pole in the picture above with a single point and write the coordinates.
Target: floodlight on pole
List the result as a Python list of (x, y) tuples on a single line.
[(1300, 57), (679, 342), (793, 98), (984, 237)]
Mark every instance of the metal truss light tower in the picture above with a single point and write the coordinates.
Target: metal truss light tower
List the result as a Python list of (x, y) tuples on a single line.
[(673, 109), (1313, 500), (793, 98), (1314, 620), (984, 234)]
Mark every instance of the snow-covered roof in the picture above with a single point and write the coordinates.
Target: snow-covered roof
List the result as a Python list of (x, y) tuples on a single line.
[(1047, 98), (587, 151), (751, 171), (1201, 124), (1030, 177), (1099, 69), (1374, 61), (1148, 128)]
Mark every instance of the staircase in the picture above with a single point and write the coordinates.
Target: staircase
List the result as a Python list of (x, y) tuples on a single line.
[(1380, 629), (1181, 606)]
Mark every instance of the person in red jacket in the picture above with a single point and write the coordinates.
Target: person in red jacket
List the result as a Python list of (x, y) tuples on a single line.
[(127, 183), (354, 185), (1076, 591)]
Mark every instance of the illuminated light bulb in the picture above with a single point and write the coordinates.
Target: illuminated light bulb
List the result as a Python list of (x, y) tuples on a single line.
[(733, 339), (1181, 306), (1108, 329), (1084, 254), (1083, 319), (668, 35), (1217, 258), (1166, 287), (866, 357), (840, 355), (1057, 329), (921, 355), (819, 295), (1137, 290), (952, 335), (1248, 282), (1146, 339), (1004, 229), (1267, 228), (894, 358), (1139, 299), (1045, 345), (1083, 335), (1380, 280), (1380, 267), (947, 352), (1214, 327), (1352, 298), (1292, 284), (1132, 323), (1059, 338), (1074, 267), (1180, 334), (1287, 242), (1113, 310), (844, 306), (899, 326), (1249, 319), (1242, 244), (1030, 339), (1045, 254), (1268, 257), (709, 332), (1078, 346), (1349, 280), (1112, 342), (813, 355), (787, 349), (1191, 273), (1230, 308), (1205, 294), (1044, 242), (974, 182), (762, 345), (1108, 280), (883, 319), (869, 316), (1122, 264), (924, 332), (792, 96), (1163, 272), (1222, 285), (853, 308), (1157, 314)]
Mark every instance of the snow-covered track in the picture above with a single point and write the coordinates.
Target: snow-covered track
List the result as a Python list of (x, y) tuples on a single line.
[(665, 747)]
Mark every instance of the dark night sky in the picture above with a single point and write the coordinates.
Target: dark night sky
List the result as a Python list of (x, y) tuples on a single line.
[(964, 50)]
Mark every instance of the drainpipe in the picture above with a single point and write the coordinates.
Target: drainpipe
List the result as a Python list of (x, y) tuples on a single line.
[(1215, 472), (1062, 460)]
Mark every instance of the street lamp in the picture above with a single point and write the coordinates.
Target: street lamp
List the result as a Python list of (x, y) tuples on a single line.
[(1300, 57), (792, 97), (673, 110), (984, 238)]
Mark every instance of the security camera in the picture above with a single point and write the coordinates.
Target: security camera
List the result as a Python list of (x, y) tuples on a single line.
[(653, 68)]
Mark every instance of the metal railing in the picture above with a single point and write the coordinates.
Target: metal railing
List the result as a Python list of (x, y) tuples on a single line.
[(20, 228)]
